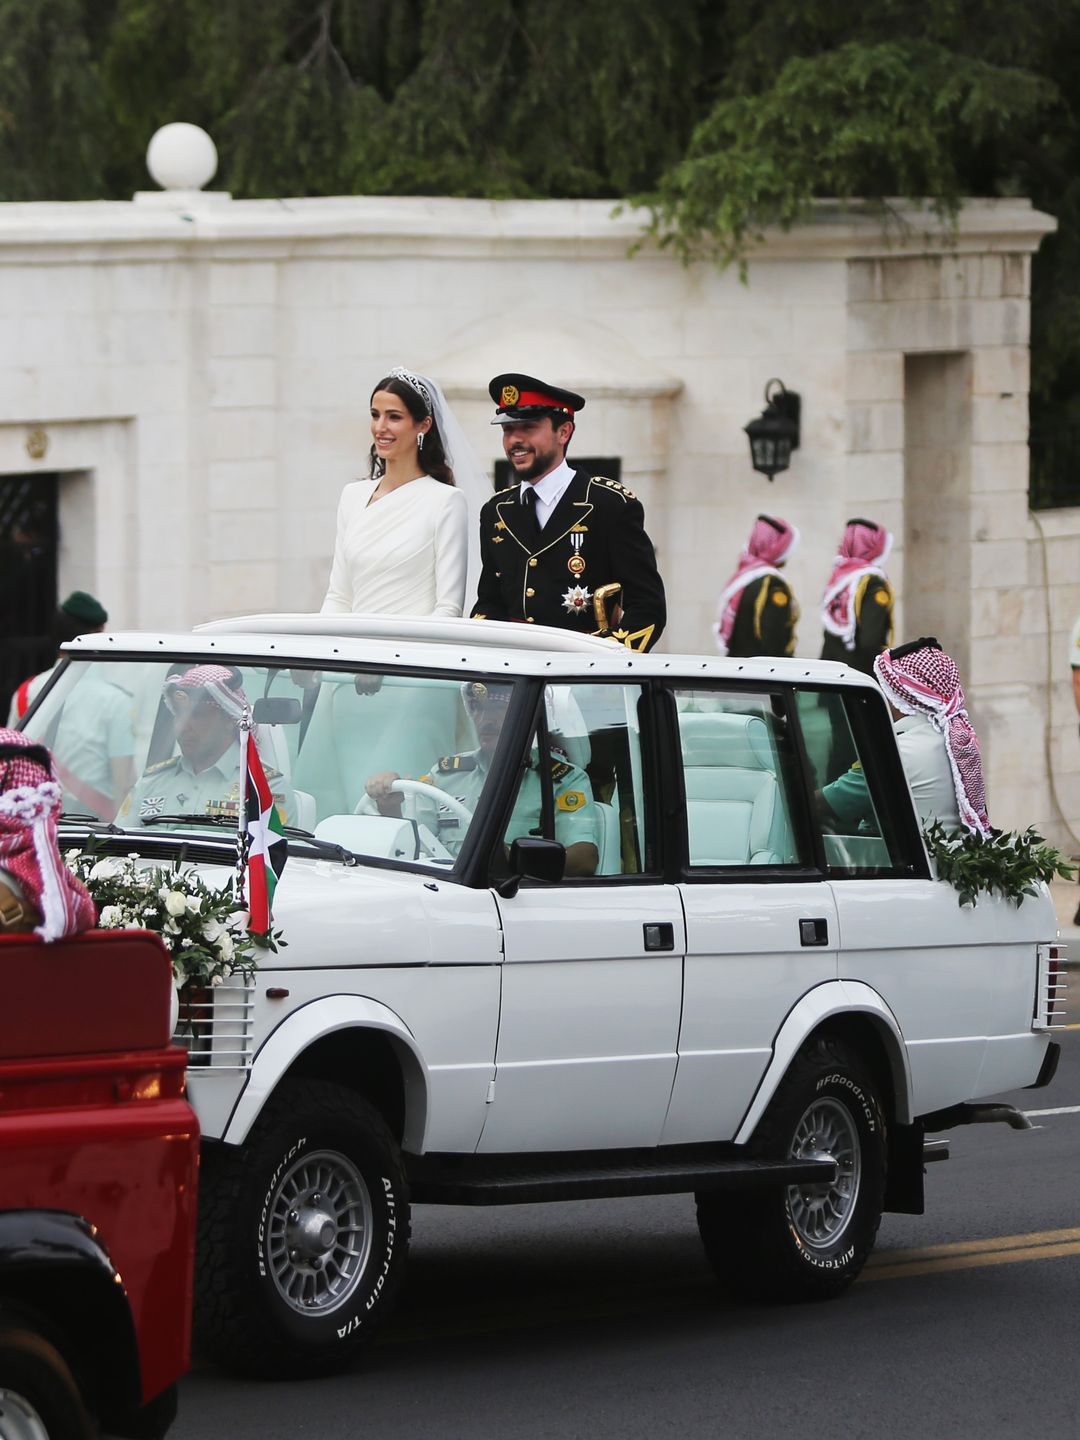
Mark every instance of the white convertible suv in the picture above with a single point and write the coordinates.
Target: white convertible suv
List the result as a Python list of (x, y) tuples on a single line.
[(592, 936)]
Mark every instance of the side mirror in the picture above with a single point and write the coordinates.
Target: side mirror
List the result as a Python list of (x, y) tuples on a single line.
[(276, 710), (532, 858)]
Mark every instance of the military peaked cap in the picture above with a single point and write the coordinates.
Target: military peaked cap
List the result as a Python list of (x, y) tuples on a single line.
[(521, 397)]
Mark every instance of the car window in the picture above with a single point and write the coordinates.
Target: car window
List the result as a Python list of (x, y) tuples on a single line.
[(741, 780), (139, 741), (858, 825), (583, 781)]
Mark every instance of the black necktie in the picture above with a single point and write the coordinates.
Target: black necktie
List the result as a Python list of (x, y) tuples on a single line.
[(528, 504)]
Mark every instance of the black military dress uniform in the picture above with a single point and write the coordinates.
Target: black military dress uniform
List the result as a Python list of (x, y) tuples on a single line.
[(874, 602), (765, 619), (594, 538)]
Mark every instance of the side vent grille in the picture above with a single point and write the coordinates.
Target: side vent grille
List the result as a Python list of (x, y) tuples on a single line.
[(1050, 989)]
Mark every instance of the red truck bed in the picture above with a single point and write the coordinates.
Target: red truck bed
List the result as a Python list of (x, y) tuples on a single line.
[(94, 1123)]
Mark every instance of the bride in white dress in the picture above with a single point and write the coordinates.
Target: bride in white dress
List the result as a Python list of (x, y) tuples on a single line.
[(408, 542), (404, 534)]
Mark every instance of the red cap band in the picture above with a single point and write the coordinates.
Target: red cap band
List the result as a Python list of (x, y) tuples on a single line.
[(532, 397)]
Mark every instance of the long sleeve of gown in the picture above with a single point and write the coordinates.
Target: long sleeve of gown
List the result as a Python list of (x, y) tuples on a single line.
[(338, 599), (451, 556)]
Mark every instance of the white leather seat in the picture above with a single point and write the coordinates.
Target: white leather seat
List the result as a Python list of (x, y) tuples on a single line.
[(734, 812)]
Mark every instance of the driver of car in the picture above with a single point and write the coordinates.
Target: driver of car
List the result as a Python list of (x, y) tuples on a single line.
[(464, 776), (206, 702)]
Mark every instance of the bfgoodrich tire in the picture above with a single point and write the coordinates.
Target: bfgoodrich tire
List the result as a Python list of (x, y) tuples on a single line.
[(806, 1242), (303, 1235), (38, 1394)]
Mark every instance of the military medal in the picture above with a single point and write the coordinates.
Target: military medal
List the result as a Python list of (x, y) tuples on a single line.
[(576, 599), (576, 563), (152, 805)]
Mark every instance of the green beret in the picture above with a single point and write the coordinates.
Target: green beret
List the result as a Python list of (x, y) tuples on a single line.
[(81, 606)]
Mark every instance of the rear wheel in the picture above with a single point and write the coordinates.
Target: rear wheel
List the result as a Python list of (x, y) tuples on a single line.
[(39, 1399), (303, 1234), (806, 1242)]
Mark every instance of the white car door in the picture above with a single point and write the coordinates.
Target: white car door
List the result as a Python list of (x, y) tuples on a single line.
[(760, 918), (592, 967)]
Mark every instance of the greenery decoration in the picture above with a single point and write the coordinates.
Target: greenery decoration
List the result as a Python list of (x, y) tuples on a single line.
[(1014, 863), (203, 928)]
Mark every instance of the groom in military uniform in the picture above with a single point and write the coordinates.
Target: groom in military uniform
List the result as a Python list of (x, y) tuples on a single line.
[(563, 547)]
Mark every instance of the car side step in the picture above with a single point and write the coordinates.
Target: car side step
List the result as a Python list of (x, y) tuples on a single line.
[(458, 1184)]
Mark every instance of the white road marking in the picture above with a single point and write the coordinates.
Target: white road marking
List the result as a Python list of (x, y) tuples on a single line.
[(1058, 1110)]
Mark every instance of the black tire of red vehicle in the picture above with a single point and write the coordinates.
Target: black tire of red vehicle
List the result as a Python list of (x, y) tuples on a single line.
[(303, 1235), (34, 1373), (805, 1242)]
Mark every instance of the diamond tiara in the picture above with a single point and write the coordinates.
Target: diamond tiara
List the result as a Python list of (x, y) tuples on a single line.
[(414, 382)]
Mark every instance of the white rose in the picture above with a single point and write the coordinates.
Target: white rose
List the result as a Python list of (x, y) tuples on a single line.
[(194, 904), (212, 931), (225, 946), (70, 856), (170, 928), (175, 903), (239, 920), (216, 980), (106, 870), (111, 918), (186, 944)]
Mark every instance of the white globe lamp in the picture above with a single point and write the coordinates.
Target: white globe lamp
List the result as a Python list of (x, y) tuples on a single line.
[(182, 157)]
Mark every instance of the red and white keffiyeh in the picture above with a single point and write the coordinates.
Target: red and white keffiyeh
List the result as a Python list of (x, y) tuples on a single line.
[(863, 551), (771, 542), (29, 851), (927, 682)]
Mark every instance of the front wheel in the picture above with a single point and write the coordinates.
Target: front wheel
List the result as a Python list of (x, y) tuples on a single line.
[(303, 1235), (806, 1242), (39, 1399)]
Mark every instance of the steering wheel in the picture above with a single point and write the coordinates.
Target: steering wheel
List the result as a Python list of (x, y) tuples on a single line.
[(432, 792)]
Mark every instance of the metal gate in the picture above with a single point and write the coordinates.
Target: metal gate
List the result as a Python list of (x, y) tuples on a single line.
[(29, 535)]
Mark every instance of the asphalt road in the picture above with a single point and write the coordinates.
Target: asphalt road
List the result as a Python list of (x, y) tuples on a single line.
[(600, 1319)]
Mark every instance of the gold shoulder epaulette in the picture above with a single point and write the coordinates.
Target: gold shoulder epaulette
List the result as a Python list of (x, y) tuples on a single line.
[(615, 485), (160, 765)]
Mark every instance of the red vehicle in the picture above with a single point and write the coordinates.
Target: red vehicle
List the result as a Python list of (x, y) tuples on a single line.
[(98, 1177)]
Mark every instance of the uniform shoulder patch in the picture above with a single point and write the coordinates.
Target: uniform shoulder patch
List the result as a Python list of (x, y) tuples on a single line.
[(882, 597), (560, 769), (160, 766), (449, 763), (779, 597), (615, 485)]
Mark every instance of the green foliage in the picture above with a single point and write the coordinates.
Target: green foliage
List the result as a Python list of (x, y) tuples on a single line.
[(1011, 862), (896, 118)]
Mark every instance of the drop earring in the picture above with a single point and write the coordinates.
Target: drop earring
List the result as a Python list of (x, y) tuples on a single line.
[(420, 441)]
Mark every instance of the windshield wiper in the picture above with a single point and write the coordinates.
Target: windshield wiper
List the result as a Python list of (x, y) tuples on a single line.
[(72, 817), (220, 821), (324, 847)]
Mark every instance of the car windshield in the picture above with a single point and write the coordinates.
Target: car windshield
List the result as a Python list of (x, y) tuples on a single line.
[(382, 764)]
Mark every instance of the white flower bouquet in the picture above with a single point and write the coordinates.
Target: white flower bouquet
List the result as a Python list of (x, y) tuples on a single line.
[(203, 929)]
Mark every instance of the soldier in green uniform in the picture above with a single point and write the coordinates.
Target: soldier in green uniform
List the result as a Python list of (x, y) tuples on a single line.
[(464, 776), (554, 545), (204, 777), (857, 606)]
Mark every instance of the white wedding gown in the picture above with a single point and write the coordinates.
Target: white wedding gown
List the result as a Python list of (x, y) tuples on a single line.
[(405, 554)]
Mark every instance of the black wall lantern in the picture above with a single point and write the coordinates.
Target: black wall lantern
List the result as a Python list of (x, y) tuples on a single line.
[(775, 433)]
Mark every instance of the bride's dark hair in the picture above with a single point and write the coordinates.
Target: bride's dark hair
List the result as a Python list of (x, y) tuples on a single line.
[(432, 456)]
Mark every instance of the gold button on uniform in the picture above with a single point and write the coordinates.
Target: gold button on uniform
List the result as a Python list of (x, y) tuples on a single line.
[(533, 560), (530, 592), (529, 620)]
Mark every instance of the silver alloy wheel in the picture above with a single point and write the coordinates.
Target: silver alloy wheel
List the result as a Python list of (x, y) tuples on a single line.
[(820, 1213), (18, 1418), (319, 1232)]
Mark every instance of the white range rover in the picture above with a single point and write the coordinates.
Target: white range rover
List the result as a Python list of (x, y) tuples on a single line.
[(595, 939)]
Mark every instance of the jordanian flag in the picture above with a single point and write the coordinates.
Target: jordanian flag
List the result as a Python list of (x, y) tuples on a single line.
[(266, 845)]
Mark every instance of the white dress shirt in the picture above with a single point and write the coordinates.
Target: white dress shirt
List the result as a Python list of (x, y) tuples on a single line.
[(549, 491)]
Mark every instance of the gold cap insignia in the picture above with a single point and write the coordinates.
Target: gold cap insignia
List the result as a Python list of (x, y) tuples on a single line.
[(510, 394)]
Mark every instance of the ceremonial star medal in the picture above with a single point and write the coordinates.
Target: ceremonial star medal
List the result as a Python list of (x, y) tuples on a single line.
[(576, 599), (150, 806)]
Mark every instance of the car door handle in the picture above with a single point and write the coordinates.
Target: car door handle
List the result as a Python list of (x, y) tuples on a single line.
[(659, 936), (814, 932)]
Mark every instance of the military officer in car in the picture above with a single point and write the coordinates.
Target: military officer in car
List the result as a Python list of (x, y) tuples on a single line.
[(203, 778), (464, 776), (562, 546)]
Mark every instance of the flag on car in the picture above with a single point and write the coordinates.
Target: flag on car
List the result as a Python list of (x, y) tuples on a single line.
[(266, 847)]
